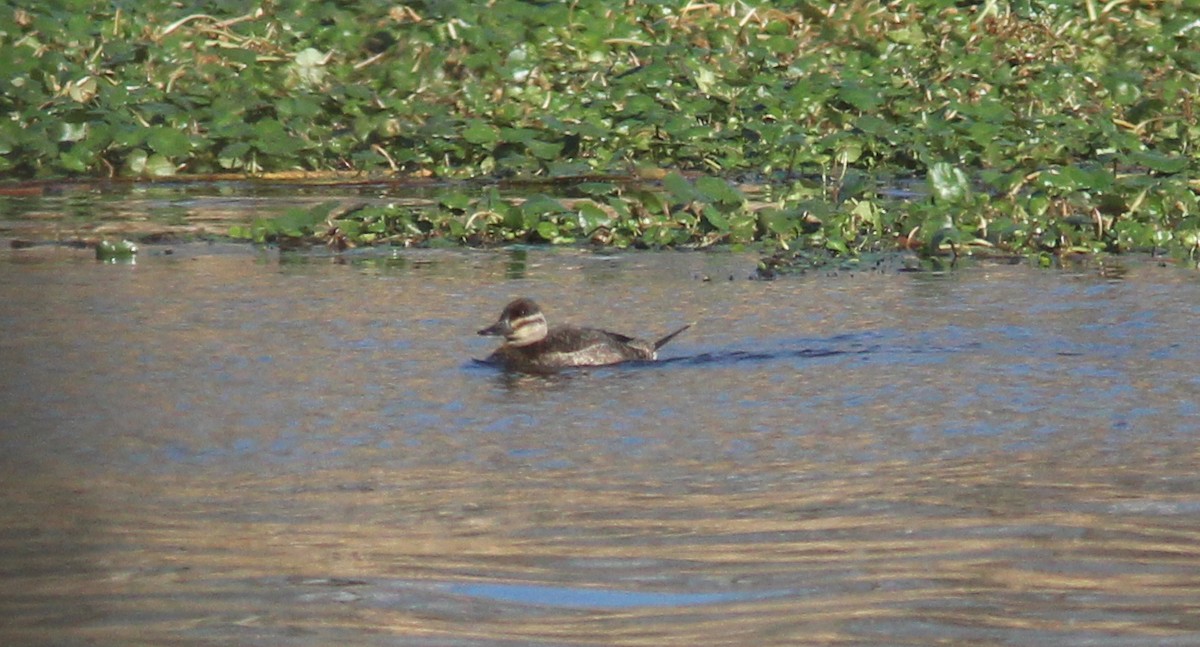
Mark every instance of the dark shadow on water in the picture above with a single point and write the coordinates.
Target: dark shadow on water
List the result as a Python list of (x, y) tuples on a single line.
[(739, 356)]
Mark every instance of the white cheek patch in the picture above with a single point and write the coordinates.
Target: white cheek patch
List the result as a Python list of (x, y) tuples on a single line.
[(527, 331)]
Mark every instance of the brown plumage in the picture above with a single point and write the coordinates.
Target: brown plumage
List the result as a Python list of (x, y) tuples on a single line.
[(532, 347)]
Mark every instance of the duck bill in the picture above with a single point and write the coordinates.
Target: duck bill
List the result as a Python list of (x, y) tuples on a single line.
[(498, 329)]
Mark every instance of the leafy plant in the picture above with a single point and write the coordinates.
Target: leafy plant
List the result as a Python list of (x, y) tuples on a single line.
[(1038, 125)]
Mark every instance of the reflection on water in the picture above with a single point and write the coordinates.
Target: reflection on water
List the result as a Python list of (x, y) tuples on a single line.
[(220, 446)]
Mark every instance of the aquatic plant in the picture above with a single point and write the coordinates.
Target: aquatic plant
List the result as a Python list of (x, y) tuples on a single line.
[(116, 251), (1035, 126)]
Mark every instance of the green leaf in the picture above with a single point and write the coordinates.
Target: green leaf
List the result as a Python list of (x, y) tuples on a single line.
[(158, 166), (233, 155), (863, 98), (480, 132), (107, 250), (539, 205), (837, 245), (455, 201), (73, 132), (517, 135), (1096, 178), (719, 191), (240, 56), (169, 142), (778, 222), (680, 189), (547, 230), (948, 183), (715, 218), (1159, 162), (592, 217), (271, 138), (307, 70), (300, 222), (135, 162), (544, 150), (596, 188), (74, 160)]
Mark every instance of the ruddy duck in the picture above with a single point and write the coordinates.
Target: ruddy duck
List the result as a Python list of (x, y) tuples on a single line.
[(530, 346)]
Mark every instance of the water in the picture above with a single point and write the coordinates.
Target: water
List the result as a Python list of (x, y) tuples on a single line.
[(225, 446)]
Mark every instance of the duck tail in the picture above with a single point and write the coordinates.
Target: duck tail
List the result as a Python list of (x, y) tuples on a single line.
[(662, 341)]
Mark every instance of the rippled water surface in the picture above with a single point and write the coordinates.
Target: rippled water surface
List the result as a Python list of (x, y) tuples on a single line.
[(220, 446)]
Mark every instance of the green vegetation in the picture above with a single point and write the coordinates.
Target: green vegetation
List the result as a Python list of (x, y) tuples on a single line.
[(1034, 127), (112, 252)]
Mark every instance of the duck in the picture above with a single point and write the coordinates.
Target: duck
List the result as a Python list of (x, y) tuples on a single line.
[(532, 346)]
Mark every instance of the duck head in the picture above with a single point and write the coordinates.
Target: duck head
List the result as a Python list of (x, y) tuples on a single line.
[(521, 323)]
